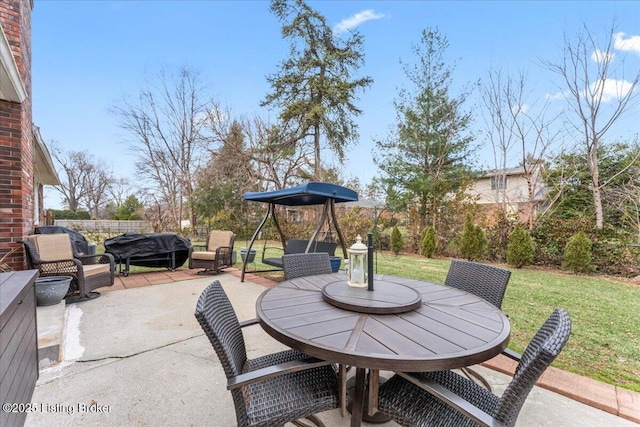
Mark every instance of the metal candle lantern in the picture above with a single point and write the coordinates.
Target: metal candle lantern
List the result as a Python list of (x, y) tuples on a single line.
[(358, 265)]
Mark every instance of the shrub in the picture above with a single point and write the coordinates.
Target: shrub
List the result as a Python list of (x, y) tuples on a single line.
[(473, 243), (497, 232), (428, 242), (577, 253), (396, 240), (521, 249)]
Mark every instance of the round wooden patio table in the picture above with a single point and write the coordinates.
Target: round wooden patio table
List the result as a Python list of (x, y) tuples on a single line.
[(449, 328)]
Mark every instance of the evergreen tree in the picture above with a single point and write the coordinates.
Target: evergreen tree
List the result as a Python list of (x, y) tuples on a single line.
[(577, 253), (424, 158), (428, 242), (315, 88), (473, 242), (521, 249), (396, 240)]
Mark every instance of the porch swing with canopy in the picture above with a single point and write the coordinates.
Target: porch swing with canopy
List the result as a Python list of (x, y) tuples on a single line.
[(312, 193)]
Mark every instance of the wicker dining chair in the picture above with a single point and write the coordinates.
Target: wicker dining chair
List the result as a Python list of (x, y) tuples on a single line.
[(444, 398), (269, 390), (299, 265), (487, 282)]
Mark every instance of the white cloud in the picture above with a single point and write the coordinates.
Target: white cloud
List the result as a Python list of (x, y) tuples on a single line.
[(520, 109), (601, 57), (613, 89), (630, 44), (355, 20), (557, 95)]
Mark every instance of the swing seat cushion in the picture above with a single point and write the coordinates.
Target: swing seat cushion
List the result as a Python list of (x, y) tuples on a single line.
[(299, 246)]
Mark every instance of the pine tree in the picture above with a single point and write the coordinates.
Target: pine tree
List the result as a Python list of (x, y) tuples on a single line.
[(428, 242), (521, 249), (396, 240), (577, 253)]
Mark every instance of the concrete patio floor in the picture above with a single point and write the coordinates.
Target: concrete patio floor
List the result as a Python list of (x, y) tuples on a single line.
[(137, 356)]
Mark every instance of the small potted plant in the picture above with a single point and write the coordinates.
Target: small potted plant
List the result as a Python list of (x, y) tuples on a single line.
[(335, 263), (251, 255)]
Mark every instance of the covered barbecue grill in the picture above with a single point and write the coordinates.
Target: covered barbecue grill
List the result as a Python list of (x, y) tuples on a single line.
[(148, 250)]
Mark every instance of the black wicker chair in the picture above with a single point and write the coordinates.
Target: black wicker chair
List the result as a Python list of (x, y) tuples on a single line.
[(299, 265), (269, 390), (485, 281), (445, 398)]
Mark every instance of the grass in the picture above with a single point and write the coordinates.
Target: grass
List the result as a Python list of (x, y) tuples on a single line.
[(605, 325)]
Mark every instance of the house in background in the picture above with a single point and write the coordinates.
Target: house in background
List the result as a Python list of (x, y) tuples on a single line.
[(25, 162), (508, 189)]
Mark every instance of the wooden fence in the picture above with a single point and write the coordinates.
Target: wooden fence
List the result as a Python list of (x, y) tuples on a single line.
[(106, 226)]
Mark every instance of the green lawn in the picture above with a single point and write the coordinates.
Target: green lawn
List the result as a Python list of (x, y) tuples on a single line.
[(604, 313), (606, 325)]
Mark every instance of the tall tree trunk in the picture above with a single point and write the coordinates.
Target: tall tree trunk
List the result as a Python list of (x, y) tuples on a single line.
[(317, 168), (592, 162)]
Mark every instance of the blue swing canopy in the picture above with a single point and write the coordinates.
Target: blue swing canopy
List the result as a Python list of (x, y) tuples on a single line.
[(312, 193)]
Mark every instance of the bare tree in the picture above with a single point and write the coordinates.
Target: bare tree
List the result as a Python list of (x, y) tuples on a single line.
[(96, 186), (119, 190), (87, 180), (626, 198), (516, 132), (166, 124), (598, 93), (268, 154), (75, 165)]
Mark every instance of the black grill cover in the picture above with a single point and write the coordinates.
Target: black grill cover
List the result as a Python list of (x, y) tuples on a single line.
[(78, 241), (149, 245)]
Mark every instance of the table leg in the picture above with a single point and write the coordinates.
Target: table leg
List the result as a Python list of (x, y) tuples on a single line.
[(358, 398), (374, 383), (343, 389)]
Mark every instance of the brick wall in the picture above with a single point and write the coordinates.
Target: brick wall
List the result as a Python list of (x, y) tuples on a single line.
[(16, 138)]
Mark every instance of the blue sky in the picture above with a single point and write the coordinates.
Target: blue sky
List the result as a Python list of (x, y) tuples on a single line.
[(87, 54)]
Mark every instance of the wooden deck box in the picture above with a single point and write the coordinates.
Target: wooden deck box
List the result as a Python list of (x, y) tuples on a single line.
[(18, 344)]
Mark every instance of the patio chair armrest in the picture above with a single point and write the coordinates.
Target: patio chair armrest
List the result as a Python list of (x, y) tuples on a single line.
[(32, 252), (223, 249), (512, 354), (249, 322), (274, 371), (105, 258), (451, 399)]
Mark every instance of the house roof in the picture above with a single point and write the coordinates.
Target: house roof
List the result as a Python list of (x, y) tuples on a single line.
[(43, 164), (312, 193), (507, 172), (11, 85)]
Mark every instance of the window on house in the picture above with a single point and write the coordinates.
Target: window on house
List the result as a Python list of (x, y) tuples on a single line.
[(498, 183)]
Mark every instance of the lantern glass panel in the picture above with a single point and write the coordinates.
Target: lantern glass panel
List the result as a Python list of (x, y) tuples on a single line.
[(357, 273)]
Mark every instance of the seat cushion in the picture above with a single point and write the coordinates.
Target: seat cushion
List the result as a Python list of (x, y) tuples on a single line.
[(52, 247), (94, 269), (219, 238), (208, 256)]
